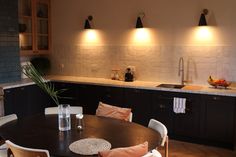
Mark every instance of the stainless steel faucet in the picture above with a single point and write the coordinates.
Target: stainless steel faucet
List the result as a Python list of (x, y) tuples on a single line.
[(181, 69)]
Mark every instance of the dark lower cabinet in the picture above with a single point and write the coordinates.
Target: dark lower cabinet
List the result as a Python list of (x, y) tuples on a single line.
[(16, 101), (162, 109), (38, 100), (112, 95), (219, 120), (68, 94), (187, 125), (176, 123), (140, 101), (208, 119), (89, 97), (25, 101)]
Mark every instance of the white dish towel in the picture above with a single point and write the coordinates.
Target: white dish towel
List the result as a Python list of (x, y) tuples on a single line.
[(179, 105)]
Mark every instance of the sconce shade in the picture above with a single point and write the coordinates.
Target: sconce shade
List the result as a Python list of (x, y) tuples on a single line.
[(202, 21), (87, 24), (139, 23)]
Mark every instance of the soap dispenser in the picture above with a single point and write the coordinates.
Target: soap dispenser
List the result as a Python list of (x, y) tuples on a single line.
[(129, 76)]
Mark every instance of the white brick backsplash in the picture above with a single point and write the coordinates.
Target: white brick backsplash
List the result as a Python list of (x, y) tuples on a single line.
[(153, 63)]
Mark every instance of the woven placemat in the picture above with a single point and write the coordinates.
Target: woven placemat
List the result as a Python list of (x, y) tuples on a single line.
[(89, 146)]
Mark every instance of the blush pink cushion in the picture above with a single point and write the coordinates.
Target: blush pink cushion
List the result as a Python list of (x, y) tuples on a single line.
[(106, 110), (134, 151)]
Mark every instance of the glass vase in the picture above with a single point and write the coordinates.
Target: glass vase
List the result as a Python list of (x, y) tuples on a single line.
[(64, 120)]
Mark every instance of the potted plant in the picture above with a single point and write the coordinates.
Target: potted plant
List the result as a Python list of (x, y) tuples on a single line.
[(63, 109)]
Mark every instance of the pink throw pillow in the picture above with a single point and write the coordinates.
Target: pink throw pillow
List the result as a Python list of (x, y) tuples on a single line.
[(133, 151), (106, 110)]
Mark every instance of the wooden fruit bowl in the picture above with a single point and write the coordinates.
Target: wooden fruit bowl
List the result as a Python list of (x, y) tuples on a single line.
[(219, 85)]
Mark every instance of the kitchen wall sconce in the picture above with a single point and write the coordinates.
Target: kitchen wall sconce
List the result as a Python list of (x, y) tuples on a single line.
[(202, 21), (139, 23), (87, 24)]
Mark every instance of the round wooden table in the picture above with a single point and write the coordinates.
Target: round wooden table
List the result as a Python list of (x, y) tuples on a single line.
[(42, 132)]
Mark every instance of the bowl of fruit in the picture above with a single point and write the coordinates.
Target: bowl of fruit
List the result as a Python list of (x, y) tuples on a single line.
[(218, 83)]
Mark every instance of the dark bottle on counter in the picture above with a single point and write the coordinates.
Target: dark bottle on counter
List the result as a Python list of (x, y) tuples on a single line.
[(129, 77)]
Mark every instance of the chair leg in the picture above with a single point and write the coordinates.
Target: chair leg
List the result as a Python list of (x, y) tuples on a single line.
[(9, 153), (166, 147)]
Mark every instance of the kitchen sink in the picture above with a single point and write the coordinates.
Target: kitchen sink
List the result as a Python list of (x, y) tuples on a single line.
[(177, 86)]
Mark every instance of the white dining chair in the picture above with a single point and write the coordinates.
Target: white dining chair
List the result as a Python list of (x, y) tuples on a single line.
[(3, 152), (107, 110), (8, 118), (153, 153), (4, 120), (19, 151), (161, 128), (130, 117), (73, 110)]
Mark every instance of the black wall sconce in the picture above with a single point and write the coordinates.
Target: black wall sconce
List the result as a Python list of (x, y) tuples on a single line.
[(139, 23), (87, 24), (202, 21)]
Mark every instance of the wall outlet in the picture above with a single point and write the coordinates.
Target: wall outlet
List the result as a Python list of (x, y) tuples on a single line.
[(62, 65), (94, 68)]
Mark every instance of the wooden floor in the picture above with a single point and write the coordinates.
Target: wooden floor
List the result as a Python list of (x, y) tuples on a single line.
[(184, 149)]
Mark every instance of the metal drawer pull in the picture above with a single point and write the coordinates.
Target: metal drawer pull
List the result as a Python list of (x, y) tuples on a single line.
[(187, 109), (162, 106), (216, 98)]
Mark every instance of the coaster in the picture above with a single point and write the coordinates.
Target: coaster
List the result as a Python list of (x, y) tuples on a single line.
[(89, 146)]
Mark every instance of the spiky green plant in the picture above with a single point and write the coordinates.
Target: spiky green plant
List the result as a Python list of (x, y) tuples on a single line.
[(30, 71)]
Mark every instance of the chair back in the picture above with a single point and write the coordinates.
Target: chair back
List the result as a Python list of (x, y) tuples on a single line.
[(8, 118), (106, 110), (159, 127), (73, 110), (130, 117), (19, 151), (3, 153)]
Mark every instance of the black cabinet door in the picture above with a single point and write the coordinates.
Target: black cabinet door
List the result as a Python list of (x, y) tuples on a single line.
[(9, 107), (162, 109), (38, 100), (140, 102), (177, 123), (16, 101), (112, 96), (69, 94), (187, 125), (89, 97), (219, 118), (25, 101)]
